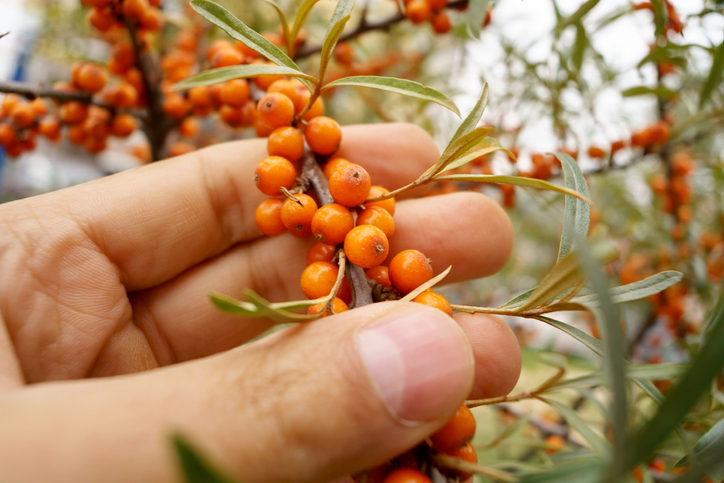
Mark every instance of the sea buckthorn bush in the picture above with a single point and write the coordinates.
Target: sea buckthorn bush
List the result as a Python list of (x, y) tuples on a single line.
[(634, 280)]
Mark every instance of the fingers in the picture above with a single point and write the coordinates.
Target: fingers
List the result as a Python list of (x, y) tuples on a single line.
[(497, 354), (155, 222), (180, 322), (311, 403)]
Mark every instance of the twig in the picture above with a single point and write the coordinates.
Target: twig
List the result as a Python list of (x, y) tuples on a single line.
[(453, 462), (32, 91), (3, 35), (327, 307)]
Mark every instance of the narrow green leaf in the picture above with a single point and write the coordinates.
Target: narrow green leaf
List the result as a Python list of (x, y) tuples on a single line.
[(637, 290), (223, 74), (477, 9), (472, 120), (564, 275), (430, 283), (709, 452), (234, 307), (459, 147), (705, 367), (579, 47), (268, 309), (336, 26), (283, 22), (586, 472), (518, 300), (588, 340), (400, 86), (661, 15), (597, 442), (486, 146), (577, 213), (514, 180), (302, 13), (577, 15), (195, 468), (659, 91), (640, 371), (224, 19), (715, 76)]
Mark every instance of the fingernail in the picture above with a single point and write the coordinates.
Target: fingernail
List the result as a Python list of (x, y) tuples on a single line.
[(419, 361)]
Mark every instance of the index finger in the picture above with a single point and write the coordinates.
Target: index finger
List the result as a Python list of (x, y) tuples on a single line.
[(157, 221)]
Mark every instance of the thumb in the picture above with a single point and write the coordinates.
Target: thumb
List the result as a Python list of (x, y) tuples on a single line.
[(310, 403)]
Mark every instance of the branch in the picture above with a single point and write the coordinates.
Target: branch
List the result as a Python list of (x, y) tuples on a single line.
[(364, 26), (31, 91)]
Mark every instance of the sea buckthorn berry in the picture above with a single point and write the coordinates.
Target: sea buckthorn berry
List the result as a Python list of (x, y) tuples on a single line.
[(316, 109), (92, 78), (331, 223), (262, 130), (388, 204), (73, 112), (217, 45), (554, 444), (338, 306), (233, 116), (333, 164), (323, 135), (95, 145), (366, 246), (297, 215), (50, 128), (418, 11), (40, 107), (189, 127), (9, 103), (76, 134), (123, 125), (320, 252), (8, 135), (409, 269), (595, 152), (268, 217), (200, 96), (457, 432), (275, 110), (435, 300), (349, 184), (135, 9), (319, 278), (378, 217), (617, 146), (379, 274), (406, 475), (288, 87), (100, 18), (96, 127), (273, 173), (175, 105), (179, 149), (441, 23), (466, 453), (227, 58), (286, 142), (235, 92), (122, 95), (23, 115)]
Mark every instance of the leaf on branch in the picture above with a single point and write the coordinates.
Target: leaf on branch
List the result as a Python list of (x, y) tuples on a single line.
[(477, 10), (458, 147), (577, 213), (514, 180), (576, 16), (564, 275), (588, 340), (302, 13), (659, 91), (336, 25), (429, 284), (472, 120), (661, 15), (645, 372), (486, 146), (224, 19), (284, 24), (708, 451), (195, 468), (597, 442), (637, 290), (579, 472), (258, 307), (715, 76), (223, 74), (579, 47), (400, 86), (277, 314)]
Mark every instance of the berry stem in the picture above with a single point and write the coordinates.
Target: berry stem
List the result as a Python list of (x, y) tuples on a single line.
[(361, 290)]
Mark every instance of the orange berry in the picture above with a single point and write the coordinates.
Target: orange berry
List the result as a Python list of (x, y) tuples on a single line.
[(23, 115), (466, 453), (73, 112), (319, 278), (595, 152), (437, 4), (8, 135), (316, 110), (275, 110), (379, 217), (9, 103), (331, 223), (660, 132), (617, 146), (122, 95), (248, 52), (297, 215), (320, 252), (40, 107), (268, 217), (379, 274), (123, 125), (152, 20), (274, 173), (435, 300), (409, 269), (333, 164), (101, 18), (179, 149), (323, 135), (233, 116), (288, 87), (338, 306), (682, 164), (418, 11), (349, 185), (96, 127), (235, 92), (92, 78), (366, 246), (388, 204), (554, 444), (457, 432), (441, 23), (50, 128), (175, 105), (200, 96), (94, 145), (286, 142), (134, 10), (406, 475), (226, 58), (262, 130), (216, 46), (344, 53), (186, 40), (76, 134), (189, 127)]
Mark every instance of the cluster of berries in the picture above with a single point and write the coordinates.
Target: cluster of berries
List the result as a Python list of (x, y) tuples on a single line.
[(452, 440), (420, 11)]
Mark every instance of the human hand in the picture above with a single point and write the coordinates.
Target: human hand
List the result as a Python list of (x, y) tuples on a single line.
[(111, 278)]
